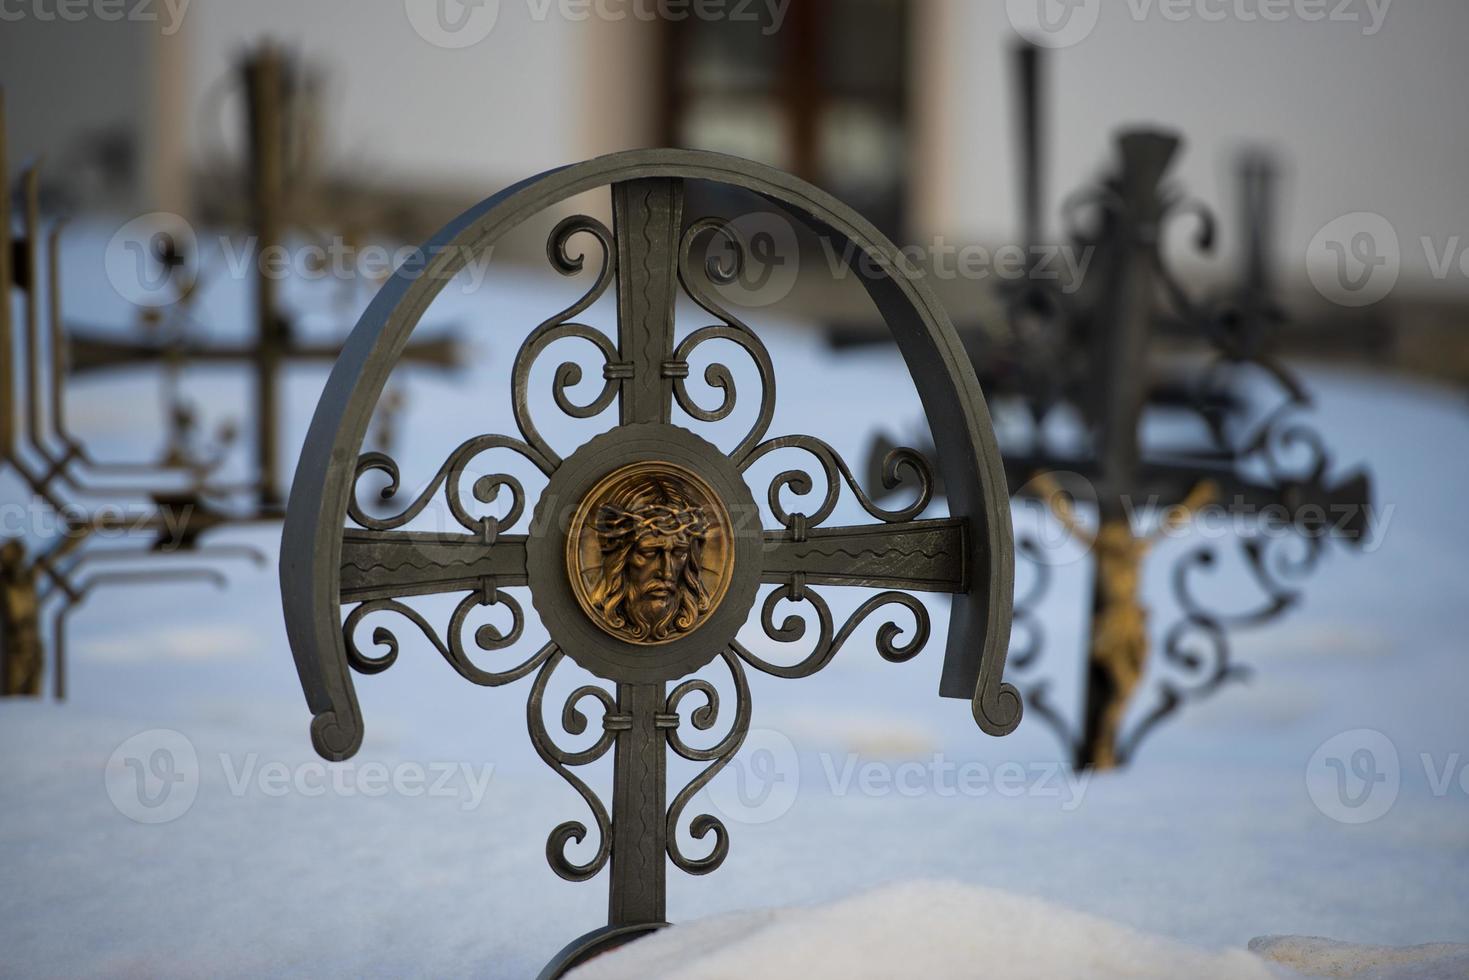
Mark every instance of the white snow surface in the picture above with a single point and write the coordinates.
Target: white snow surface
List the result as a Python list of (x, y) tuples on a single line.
[(936, 930), (279, 864), (944, 930)]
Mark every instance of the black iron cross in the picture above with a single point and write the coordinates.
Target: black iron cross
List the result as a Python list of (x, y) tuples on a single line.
[(266, 75), (1112, 321), (55, 466), (651, 253), (1125, 477), (1091, 345)]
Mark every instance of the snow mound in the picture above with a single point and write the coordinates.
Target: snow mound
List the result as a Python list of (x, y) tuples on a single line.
[(1317, 957), (929, 929)]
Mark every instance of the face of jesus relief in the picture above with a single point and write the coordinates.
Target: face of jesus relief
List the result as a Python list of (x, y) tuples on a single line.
[(651, 538), (655, 565)]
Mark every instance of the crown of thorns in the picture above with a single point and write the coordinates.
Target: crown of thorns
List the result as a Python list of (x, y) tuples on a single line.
[(616, 524)]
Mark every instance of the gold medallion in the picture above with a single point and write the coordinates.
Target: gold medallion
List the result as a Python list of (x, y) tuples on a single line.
[(649, 552)]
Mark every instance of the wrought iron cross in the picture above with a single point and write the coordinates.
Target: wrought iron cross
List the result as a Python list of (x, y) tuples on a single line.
[(645, 552), (1090, 346), (272, 85), (50, 578)]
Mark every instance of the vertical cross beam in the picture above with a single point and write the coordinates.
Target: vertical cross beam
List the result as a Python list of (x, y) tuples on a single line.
[(1121, 345), (7, 348), (1120, 388), (1030, 81), (264, 88), (638, 892), (1257, 179), (647, 217)]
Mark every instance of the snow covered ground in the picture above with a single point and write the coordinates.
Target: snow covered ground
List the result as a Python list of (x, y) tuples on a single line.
[(171, 820), (947, 931)]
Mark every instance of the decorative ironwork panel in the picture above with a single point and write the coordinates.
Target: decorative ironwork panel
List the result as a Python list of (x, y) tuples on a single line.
[(645, 553)]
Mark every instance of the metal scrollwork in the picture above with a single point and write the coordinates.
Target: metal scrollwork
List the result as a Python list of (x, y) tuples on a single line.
[(562, 326), (486, 488), (1027, 621), (1196, 663), (1291, 449), (835, 471), (1278, 597), (792, 628), (704, 718), (731, 328), (487, 637), (1025, 655), (574, 722)]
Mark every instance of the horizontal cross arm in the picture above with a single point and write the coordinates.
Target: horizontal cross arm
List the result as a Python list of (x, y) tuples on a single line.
[(393, 564), (1314, 503), (100, 350), (921, 556)]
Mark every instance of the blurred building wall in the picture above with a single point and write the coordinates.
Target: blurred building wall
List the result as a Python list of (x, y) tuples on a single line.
[(1365, 122), (533, 94), (99, 101)]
